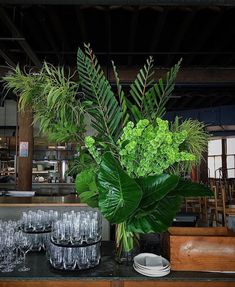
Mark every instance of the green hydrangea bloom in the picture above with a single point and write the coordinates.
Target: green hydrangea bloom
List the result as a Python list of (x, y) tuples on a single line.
[(147, 149), (90, 145)]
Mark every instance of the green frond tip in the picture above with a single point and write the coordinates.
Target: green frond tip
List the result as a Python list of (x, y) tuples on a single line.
[(143, 81), (121, 97), (105, 112), (157, 96)]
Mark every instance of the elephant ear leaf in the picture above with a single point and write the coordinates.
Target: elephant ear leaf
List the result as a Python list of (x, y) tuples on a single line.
[(158, 217), (156, 187), (119, 194), (187, 189)]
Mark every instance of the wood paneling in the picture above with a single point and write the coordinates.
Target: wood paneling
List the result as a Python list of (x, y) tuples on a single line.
[(202, 249)]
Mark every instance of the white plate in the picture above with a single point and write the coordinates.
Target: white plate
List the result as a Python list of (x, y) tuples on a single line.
[(163, 269), (156, 274), (21, 193), (143, 260)]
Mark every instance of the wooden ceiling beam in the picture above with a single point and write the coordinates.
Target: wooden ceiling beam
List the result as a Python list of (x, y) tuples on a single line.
[(180, 35), (81, 24), (123, 2), (132, 33), (7, 59), (157, 30), (16, 33), (49, 35), (205, 34)]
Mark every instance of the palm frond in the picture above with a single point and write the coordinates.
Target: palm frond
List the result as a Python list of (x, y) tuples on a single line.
[(105, 111), (121, 97), (140, 85), (157, 96)]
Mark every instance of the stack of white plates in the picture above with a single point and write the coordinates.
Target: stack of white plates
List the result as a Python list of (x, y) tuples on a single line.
[(152, 265)]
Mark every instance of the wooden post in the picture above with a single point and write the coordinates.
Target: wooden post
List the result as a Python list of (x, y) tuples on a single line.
[(194, 176), (203, 176), (25, 156), (224, 160)]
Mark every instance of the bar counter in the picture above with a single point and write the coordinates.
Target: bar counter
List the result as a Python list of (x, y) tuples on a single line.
[(67, 200), (107, 274)]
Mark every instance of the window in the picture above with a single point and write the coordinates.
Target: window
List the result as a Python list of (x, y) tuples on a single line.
[(230, 157), (215, 158)]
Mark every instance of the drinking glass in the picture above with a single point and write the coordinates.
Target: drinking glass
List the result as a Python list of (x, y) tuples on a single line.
[(25, 245), (9, 248), (56, 256), (69, 259)]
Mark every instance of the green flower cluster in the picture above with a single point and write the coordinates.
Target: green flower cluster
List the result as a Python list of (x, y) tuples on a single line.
[(147, 149), (90, 145)]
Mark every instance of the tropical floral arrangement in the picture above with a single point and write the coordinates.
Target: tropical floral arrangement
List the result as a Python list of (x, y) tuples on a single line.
[(136, 158)]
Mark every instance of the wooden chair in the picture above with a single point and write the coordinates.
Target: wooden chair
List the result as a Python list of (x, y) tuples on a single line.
[(224, 206), (193, 204)]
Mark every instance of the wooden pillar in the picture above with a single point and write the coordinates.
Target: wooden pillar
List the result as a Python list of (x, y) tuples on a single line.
[(25, 155), (194, 176), (203, 171), (224, 159)]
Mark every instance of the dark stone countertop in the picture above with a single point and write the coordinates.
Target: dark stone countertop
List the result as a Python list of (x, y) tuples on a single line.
[(107, 270)]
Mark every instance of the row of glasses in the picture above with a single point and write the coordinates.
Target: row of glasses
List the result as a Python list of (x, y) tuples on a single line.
[(38, 221), (39, 240), (13, 244), (77, 228), (72, 258)]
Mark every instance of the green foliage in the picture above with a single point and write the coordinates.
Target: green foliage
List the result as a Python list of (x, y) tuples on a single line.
[(80, 163), (147, 204), (121, 97), (157, 96), (146, 149), (86, 187), (110, 112), (139, 88), (105, 110), (196, 141), (52, 96), (90, 145), (119, 195)]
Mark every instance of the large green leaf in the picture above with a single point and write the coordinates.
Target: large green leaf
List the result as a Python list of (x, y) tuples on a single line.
[(86, 187), (155, 187), (119, 194), (187, 189), (158, 218)]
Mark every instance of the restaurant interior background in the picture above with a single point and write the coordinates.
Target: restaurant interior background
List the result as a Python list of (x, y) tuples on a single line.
[(201, 34)]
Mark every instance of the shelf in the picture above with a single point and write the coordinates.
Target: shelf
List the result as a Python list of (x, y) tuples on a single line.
[(44, 172)]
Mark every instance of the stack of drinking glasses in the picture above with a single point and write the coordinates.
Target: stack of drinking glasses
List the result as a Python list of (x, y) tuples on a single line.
[(37, 224), (75, 241), (13, 246)]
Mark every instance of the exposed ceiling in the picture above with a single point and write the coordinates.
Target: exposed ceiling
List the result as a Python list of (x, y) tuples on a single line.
[(204, 36)]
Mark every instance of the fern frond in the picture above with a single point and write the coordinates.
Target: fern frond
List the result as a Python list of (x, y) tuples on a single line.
[(105, 111)]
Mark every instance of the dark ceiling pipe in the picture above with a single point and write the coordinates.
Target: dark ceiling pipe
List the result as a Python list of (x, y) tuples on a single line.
[(123, 2)]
